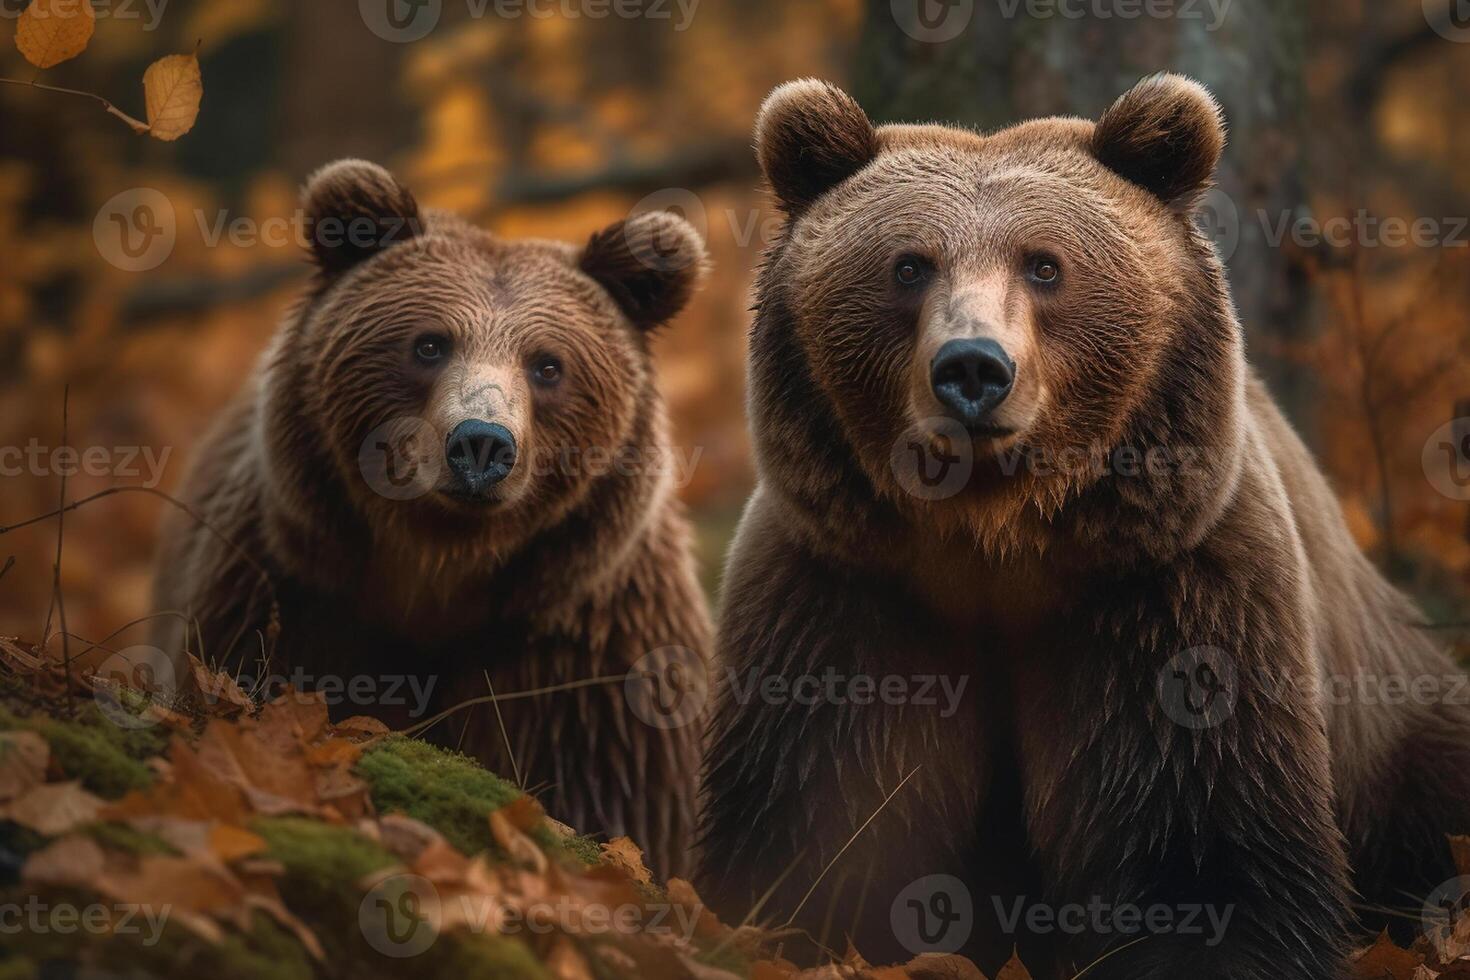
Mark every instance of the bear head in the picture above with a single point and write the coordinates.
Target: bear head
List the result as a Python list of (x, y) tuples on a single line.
[(971, 328), (468, 388)]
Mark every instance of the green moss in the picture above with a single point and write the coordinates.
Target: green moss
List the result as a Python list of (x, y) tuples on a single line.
[(489, 957), (579, 848), (325, 859), (108, 758), (446, 790)]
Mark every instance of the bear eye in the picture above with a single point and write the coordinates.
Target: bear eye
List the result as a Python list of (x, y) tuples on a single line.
[(546, 370), (910, 270), (430, 348), (1045, 270)]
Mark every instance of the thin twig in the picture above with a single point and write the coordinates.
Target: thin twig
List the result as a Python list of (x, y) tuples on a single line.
[(505, 736), (9, 564), (856, 834), (60, 512), (425, 725), (56, 592), (137, 125)]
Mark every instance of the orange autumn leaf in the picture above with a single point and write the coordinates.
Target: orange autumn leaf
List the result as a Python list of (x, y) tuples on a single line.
[(172, 90), (52, 31)]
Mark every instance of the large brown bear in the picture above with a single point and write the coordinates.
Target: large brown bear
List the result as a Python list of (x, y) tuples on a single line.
[(454, 466), (1010, 449)]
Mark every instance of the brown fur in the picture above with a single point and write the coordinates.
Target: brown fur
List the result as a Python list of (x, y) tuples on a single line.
[(574, 571), (1061, 591)]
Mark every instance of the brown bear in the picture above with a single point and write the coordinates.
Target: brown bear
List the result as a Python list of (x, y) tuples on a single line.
[(454, 467), (1010, 448)]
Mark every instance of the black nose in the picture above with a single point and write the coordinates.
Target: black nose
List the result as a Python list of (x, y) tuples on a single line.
[(971, 377), (480, 455)]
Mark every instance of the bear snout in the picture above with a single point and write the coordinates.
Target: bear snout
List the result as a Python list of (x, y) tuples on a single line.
[(970, 378), (480, 454)]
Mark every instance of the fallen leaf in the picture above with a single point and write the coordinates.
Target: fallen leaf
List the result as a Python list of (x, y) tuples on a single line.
[(23, 759), (1014, 969), (51, 31), (172, 90), (361, 725), (521, 849), (1385, 961), (621, 852), (67, 862), (233, 843), (54, 808)]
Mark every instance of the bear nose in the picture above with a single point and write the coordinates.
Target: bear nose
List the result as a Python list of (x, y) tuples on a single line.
[(480, 455), (971, 377)]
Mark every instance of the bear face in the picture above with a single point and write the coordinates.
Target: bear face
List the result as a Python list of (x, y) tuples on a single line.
[(466, 387), (1024, 293)]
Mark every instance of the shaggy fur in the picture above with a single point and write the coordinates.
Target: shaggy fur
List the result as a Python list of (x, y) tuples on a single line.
[(1058, 587), (578, 567)]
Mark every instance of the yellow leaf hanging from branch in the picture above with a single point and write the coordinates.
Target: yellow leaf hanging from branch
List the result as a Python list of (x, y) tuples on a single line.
[(172, 89)]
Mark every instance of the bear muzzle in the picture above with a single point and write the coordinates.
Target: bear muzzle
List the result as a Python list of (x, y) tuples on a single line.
[(970, 379), (480, 454)]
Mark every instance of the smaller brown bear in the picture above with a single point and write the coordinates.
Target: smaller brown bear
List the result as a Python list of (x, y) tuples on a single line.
[(454, 465)]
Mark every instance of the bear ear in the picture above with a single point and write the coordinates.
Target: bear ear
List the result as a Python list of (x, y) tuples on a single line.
[(1165, 135), (809, 137), (649, 263), (355, 209)]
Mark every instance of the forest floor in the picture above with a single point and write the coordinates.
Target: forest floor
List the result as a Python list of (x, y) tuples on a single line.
[(238, 840)]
